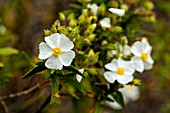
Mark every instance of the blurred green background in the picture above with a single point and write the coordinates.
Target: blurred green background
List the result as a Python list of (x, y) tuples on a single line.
[(21, 27)]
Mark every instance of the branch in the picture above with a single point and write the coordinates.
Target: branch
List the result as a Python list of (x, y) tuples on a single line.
[(4, 105), (37, 86)]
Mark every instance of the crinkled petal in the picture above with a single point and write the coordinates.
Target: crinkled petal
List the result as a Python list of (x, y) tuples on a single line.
[(52, 40), (126, 50), (54, 63), (147, 65), (119, 12), (65, 43), (150, 60), (137, 64), (122, 63), (105, 22), (67, 57), (114, 105), (124, 79), (45, 51), (79, 78), (136, 49), (94, 8), (110, 76), (112, 66)]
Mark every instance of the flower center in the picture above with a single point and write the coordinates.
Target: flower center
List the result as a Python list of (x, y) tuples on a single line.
[(120, 71), (56, 51), (144, 56)]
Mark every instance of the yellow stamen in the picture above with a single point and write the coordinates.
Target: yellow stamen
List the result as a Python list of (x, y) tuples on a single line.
[(56, 51), (120, 71), (144, 56)]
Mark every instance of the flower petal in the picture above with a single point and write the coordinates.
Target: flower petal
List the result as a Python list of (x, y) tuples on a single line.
[(150, 60), (119, 12), (52, 40), (136, 49), (65, 43), (78, 77), (67, 57), (94, 8), (124, 79), (114, 105), (112, 66), (122, 63), (45, 51), (105, 22), (126, 50), (54, 63), (147, 65), (110, 76), (137, 64)]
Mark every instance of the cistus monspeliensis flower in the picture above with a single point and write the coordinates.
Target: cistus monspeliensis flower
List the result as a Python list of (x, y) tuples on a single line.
[(93, 7), (142, 55), (105, 22), (120, 70), (119, 12), (57, 51)]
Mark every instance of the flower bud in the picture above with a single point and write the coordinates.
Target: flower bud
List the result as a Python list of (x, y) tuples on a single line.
[(102, 9), (61, 16), (47, 32), (148, 5), (118, 29)]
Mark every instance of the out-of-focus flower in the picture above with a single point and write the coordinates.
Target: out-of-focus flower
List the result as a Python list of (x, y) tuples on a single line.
[(57, 51), (79, 77), (119, 12), (142, 55), (120, 70), (105, 22), (94, 8)]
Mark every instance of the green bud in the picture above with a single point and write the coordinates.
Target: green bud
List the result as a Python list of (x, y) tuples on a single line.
[(72, 23), (53, 28), (82, 19), (71, 16), (91, 37), (125, 7), (118, 29), (61, 16), (102, 9), (148, 5), (47, 32), (152, 19), (62, 30), (137, 82), (114, 4)]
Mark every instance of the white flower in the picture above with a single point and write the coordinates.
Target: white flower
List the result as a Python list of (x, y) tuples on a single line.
[(57, 51), (94, 8), (130, 93), (125, 50), (142, 55), (79, 77), (120, 70), (119, 12), (105, 22)]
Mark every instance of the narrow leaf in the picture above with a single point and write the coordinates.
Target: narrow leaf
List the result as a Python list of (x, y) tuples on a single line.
[(119, 98), (8, 51)]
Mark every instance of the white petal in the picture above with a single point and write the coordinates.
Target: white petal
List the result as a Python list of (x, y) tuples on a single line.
[(114, 105), (114, 52), (147, 65), (122, 63), (112, 66), (45, 51), (150, 60), (65, 43), (146, 48), (54, 63), (94, 8), (110, 76), (124, 79), (105, 22), (137, 64), (119, 12), (67, 57), (126, 50), (52, 40), (136, 49), (78, 77)]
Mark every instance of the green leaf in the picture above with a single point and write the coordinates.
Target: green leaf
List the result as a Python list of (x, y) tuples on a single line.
[(76, 6), (40, 66), (5, 78), (70, 89), (8, 51), (74, 69), (109, 46), (78, 87), (119, 98), (1, 65), (99, 109)]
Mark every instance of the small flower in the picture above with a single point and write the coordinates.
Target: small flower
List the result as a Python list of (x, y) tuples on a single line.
[(120, 70), (142, 55), (119, 12), (57, 51), (94, 8), (105, 22), (79, 77)]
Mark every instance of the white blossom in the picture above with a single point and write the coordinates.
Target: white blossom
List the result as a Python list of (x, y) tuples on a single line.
[(93, 7), (79, 77), (119, 12), (105, 22), (57, 51), (120, 70), (142, 55)]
